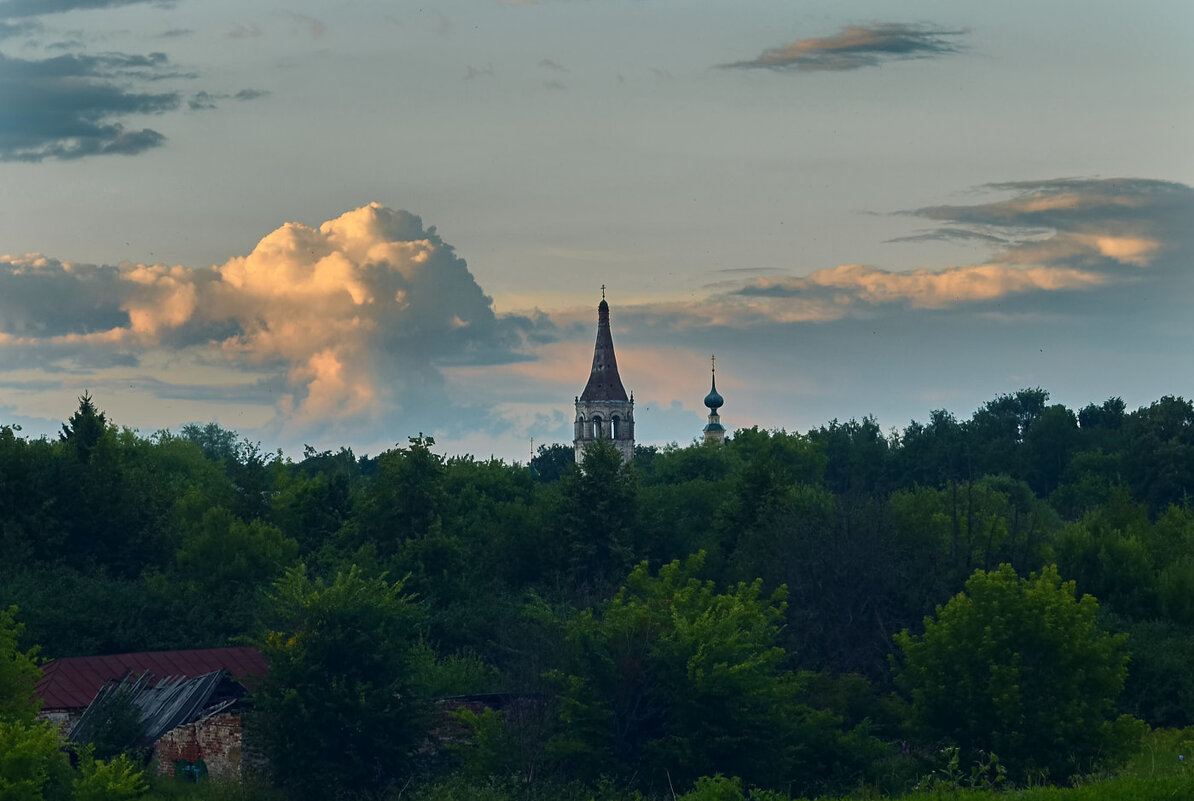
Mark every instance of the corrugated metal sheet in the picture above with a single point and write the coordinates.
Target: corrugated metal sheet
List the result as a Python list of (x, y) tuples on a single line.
[(72, 683), (163, 704)]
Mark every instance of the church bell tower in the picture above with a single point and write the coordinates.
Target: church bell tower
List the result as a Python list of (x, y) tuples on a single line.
[(603, 411)]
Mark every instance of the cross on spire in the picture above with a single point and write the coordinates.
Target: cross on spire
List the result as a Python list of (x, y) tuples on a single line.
[(713, 363), (603, 291)]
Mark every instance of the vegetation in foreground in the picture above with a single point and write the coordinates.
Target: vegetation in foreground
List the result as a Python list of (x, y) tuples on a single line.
[(844, 613)]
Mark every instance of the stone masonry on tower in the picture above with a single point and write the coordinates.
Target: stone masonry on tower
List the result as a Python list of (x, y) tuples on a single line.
[(603, 411)]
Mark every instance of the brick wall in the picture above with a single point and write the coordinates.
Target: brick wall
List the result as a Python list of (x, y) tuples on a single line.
[(64, 720), (218, 741)]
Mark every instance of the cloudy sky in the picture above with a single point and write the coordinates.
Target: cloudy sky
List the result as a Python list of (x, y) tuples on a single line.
[(343, 223)]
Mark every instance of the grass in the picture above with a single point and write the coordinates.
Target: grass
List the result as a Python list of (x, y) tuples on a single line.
[(1163, 770)]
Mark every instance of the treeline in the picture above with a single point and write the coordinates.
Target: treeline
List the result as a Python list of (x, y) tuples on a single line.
[(734, 609)]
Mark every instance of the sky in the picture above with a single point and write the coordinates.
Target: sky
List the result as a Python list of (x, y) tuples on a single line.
[(348, 223)]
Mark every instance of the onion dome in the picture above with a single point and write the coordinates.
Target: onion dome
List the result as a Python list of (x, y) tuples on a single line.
[(713, 400)]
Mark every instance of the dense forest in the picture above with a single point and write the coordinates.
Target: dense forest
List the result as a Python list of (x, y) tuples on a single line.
[(1007, 598)]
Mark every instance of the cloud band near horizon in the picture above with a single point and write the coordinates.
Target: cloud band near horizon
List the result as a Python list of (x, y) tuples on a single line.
[(358, 319)]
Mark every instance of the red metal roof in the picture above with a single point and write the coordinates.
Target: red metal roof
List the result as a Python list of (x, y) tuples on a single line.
[(72, 682)]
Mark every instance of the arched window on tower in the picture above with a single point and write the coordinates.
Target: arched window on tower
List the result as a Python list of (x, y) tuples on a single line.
[(614, 426), (580, 426), (597, 432)]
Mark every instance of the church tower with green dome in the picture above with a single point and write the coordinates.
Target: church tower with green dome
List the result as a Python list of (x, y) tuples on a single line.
[(714, 430), (603, 410)]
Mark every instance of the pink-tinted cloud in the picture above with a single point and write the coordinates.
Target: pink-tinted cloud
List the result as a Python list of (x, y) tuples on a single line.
[(357, 313), (923, 289), (856, 46)]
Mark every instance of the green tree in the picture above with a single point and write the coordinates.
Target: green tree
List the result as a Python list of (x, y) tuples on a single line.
[(1019, 668), (84, 428), (222, 568), (1089, 480), (32, 474), (1102, 426), (672, 677), (1050, 443), (19, 672), (997, 431), (33, 762), (404, 500), (597, 517), (857, 455), (552, 462), (311, 507), (1158, 452), (116, 726), (1107, 554), (336, 714), (219, 444), (934, 454), (33, 766)]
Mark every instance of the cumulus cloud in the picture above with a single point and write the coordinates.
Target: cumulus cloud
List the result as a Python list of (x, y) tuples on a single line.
[(353, 319), (857, 46), (69, 106)]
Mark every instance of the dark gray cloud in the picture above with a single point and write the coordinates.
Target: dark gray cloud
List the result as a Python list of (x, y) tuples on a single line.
[(951, 235), (40, 298), (857, 46), (70, 106), (1089, 223), (209, 100), (36, 8), (1062, 203), (201, 100)]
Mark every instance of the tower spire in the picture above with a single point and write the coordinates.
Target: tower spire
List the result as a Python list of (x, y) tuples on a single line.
[(603, 410), (604, 382)]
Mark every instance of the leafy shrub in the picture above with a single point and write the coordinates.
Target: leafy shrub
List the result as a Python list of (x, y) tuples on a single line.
[(1019, 667)]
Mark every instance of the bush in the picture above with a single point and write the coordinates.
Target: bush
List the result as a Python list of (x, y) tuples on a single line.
[(32, 766), (1019, 668), (673, 679)]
